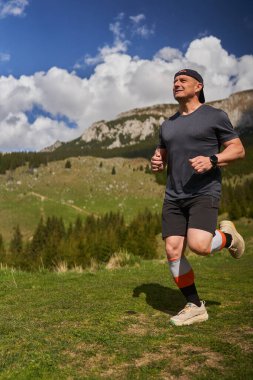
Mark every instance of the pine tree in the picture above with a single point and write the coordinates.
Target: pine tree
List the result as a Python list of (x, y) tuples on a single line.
[(37, 245), (147, 169), (68, 164), (16, 249), (2, 250), (16, 244), (55, 234)]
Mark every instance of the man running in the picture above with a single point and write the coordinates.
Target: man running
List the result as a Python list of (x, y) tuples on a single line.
[(190, 144)]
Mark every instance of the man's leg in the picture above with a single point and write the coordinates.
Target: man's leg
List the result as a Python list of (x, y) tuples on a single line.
[(203, 238), (183, 275), (174, 230), (180, 268), (203, 242)]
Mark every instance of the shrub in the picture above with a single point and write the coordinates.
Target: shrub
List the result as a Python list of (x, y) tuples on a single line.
[(122, 258)]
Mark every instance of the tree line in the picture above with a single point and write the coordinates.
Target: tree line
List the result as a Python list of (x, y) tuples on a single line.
[(99, 238), (83, 241), (11, 161), (236, 197)]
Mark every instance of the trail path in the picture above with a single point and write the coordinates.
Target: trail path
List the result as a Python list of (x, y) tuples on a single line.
[(43, 198)]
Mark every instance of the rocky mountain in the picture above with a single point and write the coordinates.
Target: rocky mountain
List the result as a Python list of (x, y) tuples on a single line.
[(136, 125), (51, 148), (141, 125)]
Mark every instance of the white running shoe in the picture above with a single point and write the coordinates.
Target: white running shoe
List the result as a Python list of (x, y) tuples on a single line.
[(190, 314), (237, 246)]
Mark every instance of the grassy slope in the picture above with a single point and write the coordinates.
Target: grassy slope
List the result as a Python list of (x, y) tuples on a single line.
[(85, 188), (114, 324)]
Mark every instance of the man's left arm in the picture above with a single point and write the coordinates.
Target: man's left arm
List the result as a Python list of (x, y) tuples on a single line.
[(233, 150)]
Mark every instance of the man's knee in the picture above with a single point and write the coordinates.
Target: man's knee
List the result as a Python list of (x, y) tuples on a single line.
[(200, 247), (173, 249), (199, 241)]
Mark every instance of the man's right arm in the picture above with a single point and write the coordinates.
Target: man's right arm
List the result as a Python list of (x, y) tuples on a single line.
[(158, 161)]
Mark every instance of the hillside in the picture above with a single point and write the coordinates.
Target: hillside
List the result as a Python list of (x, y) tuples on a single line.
[(89, 187), (135, 133)]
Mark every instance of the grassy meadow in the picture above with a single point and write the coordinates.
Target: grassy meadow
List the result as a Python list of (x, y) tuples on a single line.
[(114, 324), (87, 188)]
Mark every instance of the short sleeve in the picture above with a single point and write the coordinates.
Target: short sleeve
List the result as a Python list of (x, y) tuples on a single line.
[(224, 128), (161, 143)]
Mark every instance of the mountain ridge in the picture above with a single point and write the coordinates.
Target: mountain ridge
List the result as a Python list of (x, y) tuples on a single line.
[(141, 125)]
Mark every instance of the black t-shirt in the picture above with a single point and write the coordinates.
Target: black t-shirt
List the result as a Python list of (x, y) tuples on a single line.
[(201, 133)]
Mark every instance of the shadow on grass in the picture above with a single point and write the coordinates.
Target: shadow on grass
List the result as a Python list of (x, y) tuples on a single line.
[(164, 299)]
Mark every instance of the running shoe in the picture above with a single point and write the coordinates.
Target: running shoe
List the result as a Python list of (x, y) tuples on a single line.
[(237, 246), (190, 314)]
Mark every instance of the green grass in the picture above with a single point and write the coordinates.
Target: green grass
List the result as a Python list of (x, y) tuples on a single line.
[(115, 324), (84, 189)]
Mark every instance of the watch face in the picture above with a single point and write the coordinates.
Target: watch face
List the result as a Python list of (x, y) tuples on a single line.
[(214, 160)]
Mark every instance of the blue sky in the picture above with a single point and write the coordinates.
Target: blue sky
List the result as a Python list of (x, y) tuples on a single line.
[(67, 63), (60, 32)]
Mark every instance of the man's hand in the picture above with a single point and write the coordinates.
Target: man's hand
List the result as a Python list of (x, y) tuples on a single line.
[(200, 164), (157, 164)]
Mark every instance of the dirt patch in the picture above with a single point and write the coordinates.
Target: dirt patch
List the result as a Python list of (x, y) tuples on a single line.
[(211, 359), (167, 376), (116, 372), (142, 325), (148, 358), (88, 359), (177, 361), (136, 325), (240, 338), (151, 357), (248, 330), (82, 350), (136, 329)]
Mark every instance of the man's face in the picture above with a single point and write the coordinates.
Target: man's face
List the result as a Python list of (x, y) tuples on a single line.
[(185, 87)]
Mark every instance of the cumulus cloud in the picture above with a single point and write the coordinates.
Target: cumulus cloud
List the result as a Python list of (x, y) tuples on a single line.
[(119, 82), (12, 7), (119, 45), (18, 134), (120, 29), (169, 54)]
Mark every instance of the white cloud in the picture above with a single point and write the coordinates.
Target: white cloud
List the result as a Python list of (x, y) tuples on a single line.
[(140, 29), (119, 82), (136, 19), (144, 31), (119, 29), (169, 54), (120, 44), (209, 53), (4, 57), (12, 7), (18, 134), (245, 75), (118, 47)]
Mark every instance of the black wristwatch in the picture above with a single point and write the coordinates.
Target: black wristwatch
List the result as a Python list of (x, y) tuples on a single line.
[(214, 161)]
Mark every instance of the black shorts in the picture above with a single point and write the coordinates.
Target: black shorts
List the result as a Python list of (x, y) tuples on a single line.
[(200, 212)]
